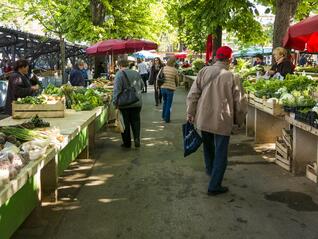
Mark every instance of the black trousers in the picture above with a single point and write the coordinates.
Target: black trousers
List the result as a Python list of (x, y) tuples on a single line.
[(158, 96), (144, 78), (131, 118)]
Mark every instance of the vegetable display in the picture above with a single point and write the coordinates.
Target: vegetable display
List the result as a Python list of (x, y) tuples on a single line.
[(52, 90), (35, 122), (307, 69), (22, 133), (33, 100), (81, 98)]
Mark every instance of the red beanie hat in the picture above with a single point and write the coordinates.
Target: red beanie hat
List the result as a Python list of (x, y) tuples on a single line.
[(224, 52)]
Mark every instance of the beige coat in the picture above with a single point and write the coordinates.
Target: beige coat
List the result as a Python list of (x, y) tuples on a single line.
[(216, 100)]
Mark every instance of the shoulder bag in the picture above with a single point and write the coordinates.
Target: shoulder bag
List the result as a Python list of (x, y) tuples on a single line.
[(128, 95), (161, 77)]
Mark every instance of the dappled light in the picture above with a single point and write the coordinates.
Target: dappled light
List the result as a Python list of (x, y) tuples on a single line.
[(110, 200)]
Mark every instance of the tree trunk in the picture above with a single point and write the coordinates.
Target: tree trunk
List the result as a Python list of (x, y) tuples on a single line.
[(62, 51), (98, 12), (217, 40), (285, 11)]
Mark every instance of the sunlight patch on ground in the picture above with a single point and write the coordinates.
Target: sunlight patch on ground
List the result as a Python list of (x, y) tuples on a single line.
[(264, 147), (269, 159), (153, 130), (98, 180), (109, 200), (66, 208), (148, 139), (68, 187), (156, 143)]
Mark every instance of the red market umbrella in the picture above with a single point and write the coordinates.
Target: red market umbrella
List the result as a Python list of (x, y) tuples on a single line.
[(303, 35), (115, 46), (138, 45), (107, 46), (181, 55)]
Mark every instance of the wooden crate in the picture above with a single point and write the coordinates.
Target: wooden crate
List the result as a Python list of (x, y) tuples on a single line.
[(287, 137), (273, 108), (251, 97), (283, 155), (311, 173), (25, 111), (259, 102)]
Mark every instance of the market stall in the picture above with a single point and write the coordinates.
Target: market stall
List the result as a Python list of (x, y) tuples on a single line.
[(36, 151), (285, 113), (22, 194)]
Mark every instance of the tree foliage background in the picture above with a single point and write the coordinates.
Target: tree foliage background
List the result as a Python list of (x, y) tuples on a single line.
[(92, 20), (192, 20)]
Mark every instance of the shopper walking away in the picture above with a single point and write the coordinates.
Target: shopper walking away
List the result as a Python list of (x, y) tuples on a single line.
[(76, 76), (131, 113), (215, 102), (154, 70), (143, 71), (168, 88), (19, 85)]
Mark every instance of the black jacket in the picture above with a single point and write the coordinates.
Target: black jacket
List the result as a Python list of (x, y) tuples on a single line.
[(153, 74), (283, 68), (19, 87), (76, 78)]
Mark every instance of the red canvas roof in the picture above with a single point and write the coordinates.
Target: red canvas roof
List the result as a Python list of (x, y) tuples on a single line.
[(303, 35)]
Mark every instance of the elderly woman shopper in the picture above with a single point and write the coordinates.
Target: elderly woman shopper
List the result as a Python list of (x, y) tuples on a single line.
[(19, 85), (154, 70), (283, 65), (215, 102), (171, 80), (131, 113)]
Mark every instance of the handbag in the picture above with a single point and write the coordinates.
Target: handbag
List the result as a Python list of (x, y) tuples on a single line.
[(191, 139), (128, 96), (160, 78)]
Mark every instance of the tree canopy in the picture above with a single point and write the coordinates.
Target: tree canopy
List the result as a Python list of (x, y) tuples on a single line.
[(92, 20)]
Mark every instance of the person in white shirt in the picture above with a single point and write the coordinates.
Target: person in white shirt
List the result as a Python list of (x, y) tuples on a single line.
[(143, 72)]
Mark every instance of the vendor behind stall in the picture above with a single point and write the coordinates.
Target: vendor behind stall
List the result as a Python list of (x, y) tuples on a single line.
[(76, 76), (283, 64), (19, 84), (259, 60)]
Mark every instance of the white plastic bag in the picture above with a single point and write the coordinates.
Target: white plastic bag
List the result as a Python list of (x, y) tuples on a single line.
[(119, 123)]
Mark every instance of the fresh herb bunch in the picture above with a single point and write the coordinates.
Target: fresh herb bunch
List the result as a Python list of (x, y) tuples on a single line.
[(22, 133), (52, 90), (33, 100)]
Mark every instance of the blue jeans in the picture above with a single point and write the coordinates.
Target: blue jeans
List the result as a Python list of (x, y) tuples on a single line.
[(215, 148), (167, 96)]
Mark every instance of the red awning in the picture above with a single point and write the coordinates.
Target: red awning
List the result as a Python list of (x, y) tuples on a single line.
[(303, 36), (115, 46), (181, 55)]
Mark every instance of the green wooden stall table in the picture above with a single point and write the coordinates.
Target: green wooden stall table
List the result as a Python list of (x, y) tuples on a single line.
[(20, 196)]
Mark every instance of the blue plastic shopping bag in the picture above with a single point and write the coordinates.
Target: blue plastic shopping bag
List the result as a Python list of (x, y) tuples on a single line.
[(191, 139)]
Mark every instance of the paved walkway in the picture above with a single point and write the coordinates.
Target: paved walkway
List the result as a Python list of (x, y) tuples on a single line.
[(154, 193)]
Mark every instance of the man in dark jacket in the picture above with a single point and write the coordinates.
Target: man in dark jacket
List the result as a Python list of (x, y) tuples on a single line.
[(76, 76), (19, 85)]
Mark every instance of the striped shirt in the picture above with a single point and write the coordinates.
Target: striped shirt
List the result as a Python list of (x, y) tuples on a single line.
[(171, 78)]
